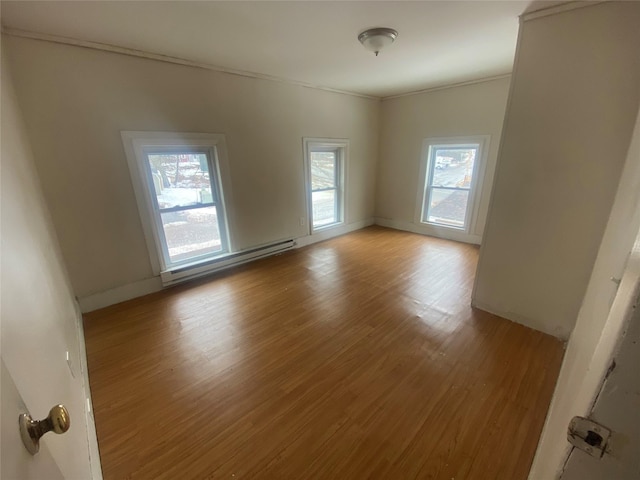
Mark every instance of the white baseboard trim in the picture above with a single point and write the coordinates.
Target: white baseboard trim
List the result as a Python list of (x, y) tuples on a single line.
[(99, 300), (432, 231), (119, 294), (332, 232), (92, 436), (557, 331)]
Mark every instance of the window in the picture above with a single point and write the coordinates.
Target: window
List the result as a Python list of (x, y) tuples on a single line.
[(451, 168), (325, 161), (179, 192)]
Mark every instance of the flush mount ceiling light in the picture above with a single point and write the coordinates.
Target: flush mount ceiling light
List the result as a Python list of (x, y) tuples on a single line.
[(375, 39)]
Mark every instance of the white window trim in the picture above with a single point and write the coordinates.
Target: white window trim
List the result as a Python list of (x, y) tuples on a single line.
[(338, 143), (475, 190), (134, 143)]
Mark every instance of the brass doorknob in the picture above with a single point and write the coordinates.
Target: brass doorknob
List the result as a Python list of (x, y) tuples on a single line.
[(57, 421)]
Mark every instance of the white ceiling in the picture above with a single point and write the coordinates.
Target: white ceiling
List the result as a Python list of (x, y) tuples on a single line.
[(439, 43)]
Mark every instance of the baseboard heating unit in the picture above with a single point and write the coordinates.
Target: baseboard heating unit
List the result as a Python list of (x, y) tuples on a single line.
[(189, 272)]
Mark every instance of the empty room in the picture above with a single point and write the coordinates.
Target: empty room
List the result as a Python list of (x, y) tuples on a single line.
[(320, 240)]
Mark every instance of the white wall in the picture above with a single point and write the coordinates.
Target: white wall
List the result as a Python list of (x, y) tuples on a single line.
[(77, 100), (575, 93), (599, 323), (39, 315), (476, 109)]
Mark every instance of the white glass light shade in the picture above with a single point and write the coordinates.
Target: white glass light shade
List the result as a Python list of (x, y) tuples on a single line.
[(376, 39)]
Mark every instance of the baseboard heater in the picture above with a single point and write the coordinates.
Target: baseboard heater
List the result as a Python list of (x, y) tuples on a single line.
[(189, 272)]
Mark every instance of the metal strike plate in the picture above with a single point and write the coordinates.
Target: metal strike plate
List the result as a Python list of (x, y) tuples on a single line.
[(588, 436)]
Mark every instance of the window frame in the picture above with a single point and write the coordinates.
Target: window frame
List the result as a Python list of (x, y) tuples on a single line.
[(341, 147), (137, 146), (427, 169)]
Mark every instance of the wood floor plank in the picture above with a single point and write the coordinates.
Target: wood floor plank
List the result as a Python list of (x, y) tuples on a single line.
[(355, 358)]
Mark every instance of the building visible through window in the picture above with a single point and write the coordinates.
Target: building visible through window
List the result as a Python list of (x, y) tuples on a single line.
[(449, 183), (325, 163)]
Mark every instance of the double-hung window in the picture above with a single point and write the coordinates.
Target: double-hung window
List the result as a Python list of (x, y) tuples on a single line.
[(325, 166), (179, 191), (450, 181)]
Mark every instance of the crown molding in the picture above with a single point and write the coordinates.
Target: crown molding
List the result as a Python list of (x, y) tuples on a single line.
[(556, 9), (448, 86), (169, 59)]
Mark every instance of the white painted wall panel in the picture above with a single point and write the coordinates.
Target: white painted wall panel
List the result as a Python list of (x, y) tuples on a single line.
[(406, 121), (39, 315), (575, 94), (77, 100)]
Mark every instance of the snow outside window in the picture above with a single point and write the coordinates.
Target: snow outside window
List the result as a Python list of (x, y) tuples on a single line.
[(178, 186), (185, 193)]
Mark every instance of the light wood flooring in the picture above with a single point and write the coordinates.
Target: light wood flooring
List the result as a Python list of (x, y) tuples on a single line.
[(354, 358)]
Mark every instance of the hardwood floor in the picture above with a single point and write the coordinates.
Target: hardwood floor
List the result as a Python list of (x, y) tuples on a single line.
[(354, 358)]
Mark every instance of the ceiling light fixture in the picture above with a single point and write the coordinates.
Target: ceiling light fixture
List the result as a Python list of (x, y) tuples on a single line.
[(375, 39)]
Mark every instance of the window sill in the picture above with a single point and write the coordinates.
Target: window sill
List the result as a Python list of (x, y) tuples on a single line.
[(198, 263), (326, 227), (448, 227)]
